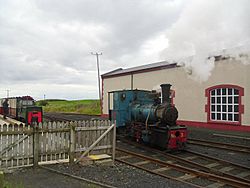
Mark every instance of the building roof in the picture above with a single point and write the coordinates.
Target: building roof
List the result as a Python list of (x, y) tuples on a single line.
[(218, 56), (139, 69)]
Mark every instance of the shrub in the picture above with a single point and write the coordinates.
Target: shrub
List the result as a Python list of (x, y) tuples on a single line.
[(43, 103)]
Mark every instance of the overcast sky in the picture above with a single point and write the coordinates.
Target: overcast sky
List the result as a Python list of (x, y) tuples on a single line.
[(46, 45)]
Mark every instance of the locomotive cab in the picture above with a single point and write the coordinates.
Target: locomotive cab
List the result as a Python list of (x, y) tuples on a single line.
[(28, 112)]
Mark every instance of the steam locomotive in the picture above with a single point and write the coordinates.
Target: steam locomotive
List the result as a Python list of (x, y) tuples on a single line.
[(142, 115), (23, 109)]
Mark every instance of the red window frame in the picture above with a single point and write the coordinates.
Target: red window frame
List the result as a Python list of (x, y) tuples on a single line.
[(241, 106)]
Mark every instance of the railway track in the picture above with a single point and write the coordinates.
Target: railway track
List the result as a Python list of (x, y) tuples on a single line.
[(220, 145), (69, 117), (55, 118), (188, 167), (214, 172)]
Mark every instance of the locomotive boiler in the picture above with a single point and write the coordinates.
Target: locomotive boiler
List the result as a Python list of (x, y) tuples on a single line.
[(147, 117)]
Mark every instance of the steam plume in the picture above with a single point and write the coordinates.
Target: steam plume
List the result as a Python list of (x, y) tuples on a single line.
[(205, 28)]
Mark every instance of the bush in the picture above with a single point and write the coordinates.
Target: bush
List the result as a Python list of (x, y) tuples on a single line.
[(43, 103)]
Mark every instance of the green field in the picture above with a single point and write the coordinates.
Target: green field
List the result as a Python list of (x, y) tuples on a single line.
[(91, 107)]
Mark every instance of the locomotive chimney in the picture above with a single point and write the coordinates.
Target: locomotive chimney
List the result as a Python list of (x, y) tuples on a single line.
[(165, 92)]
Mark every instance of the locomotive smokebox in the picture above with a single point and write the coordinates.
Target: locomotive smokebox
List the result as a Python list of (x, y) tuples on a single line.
[(165, 92)]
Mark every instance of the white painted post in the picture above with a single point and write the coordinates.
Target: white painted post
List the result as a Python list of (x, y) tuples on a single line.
[(72, 143), (114, 145)]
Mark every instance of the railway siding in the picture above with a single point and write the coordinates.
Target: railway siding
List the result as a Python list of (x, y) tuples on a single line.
[(225, 146), (190, 160), (179, 173)]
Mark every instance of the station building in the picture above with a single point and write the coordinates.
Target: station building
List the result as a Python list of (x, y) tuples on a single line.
[(220, 102)]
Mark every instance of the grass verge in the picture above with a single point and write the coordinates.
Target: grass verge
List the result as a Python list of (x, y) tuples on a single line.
[(91, 107)]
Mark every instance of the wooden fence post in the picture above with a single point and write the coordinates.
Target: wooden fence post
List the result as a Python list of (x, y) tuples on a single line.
[(35, 145), (1, 179), (114, 145), (72, 143)]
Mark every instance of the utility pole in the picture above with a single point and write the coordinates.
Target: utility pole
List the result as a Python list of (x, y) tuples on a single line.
[(98, 72), (8, 92)]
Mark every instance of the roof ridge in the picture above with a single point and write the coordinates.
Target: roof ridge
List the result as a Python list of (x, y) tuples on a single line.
[(149, 67)]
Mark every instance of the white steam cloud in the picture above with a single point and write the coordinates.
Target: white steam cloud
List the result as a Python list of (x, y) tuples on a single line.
[(207, 27)]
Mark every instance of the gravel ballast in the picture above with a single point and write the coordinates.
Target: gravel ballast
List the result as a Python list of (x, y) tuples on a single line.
[(121, 175), (211, 135)]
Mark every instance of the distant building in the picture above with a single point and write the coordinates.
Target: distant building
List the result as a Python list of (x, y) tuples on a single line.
[(223, 101)]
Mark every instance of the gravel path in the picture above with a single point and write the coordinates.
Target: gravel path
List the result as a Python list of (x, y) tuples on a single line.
[(41, 178)]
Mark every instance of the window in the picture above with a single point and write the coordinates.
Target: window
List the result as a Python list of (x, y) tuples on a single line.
[(27, 102), (224, 104)]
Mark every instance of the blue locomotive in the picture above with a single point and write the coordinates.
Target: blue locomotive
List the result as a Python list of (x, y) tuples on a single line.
[(147, 117)]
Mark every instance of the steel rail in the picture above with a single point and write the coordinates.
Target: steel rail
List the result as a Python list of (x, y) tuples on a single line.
[(155, 172), (195, 165), (209, 169), (231, 147), (210, 176), (217, 159), (231, 136)]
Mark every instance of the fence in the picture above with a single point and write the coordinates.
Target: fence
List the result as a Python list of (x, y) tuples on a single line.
[(22, 145)]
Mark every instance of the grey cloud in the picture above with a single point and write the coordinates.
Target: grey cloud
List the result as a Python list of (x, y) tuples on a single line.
[(48, 42), (130, 22), (45, 45), (36, 36)]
